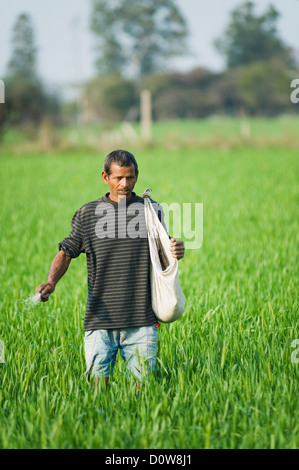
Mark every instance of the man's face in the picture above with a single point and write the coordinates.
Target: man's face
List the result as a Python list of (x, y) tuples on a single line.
[(121, 181)]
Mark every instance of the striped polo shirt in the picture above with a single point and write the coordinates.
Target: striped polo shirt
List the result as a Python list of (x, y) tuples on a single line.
[(113, 236)]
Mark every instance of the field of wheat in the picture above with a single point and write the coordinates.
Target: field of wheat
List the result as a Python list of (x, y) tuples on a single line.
[(227, 371)]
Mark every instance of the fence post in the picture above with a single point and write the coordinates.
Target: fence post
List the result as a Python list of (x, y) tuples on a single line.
[(146, 114)]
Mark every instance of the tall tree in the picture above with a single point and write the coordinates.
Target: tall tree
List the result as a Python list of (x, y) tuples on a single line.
[(136, 35), (23, 61), (27, 100), (251, 38)]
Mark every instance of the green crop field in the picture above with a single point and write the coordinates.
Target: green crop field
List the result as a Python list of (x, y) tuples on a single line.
[(227, 371)]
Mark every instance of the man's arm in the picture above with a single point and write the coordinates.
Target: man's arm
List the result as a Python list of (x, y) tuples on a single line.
[(58, 268)]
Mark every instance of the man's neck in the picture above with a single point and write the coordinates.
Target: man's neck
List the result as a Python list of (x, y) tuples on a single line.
[(117, 199)]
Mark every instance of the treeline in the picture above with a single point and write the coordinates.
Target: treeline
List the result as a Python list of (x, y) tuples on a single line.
[(256, 81), (27, 100), (257, 89), (140, 37)]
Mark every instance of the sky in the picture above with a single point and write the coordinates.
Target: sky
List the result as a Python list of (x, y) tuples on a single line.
[(65, 43)]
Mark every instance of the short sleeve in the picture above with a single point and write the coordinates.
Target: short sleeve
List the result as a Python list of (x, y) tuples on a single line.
[(73, 245)]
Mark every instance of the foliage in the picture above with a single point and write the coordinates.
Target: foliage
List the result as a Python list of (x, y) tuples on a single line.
[(136, 37), (109, 98), (263, 88), (23, 60), (183, 95), (27, 99), (257, 89), (252, 38)]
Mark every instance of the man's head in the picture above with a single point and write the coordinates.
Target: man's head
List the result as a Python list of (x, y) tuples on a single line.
[(121, 158), (120, 173)]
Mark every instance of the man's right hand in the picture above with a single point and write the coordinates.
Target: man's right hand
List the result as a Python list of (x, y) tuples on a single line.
[(45, 290), (58, 268)]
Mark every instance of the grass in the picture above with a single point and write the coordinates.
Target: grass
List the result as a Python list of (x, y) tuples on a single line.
[(215, 132), (224, 376)]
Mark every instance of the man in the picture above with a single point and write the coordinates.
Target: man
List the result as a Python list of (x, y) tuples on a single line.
[(119, 313)]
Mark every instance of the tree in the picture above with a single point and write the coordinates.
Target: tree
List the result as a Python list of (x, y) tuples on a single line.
[(252, 38), (136, 36), (108, 99), (23, 61), (183, 95), (27, 101), (263, 89)]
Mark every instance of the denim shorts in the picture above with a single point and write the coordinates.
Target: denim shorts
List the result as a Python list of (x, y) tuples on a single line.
[(138, 347)]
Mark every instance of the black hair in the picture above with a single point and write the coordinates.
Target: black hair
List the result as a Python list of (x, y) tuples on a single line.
[(121, 158)]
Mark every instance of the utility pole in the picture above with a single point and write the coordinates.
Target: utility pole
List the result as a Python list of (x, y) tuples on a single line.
[(146, 115)]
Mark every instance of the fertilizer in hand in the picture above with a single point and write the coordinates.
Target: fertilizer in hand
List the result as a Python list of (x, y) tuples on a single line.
[(32, 301)]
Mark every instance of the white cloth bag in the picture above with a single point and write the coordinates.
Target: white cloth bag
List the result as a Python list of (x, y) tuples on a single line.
[(168, 300)]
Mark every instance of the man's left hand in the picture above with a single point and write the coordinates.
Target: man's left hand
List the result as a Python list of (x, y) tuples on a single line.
[(177, 248)]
